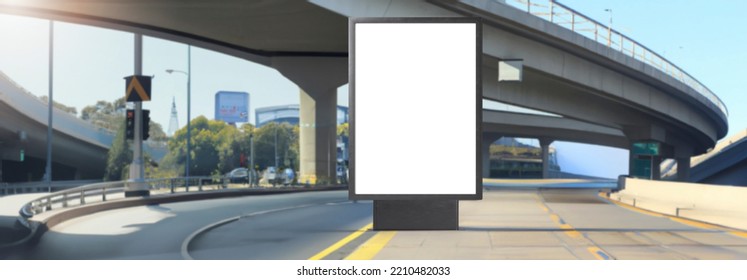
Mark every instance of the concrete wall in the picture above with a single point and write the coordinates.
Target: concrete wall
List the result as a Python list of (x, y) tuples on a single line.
[(721, 205)]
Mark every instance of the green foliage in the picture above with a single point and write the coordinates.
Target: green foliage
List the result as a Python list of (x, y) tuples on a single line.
[(58, 105), (217, 148), (105, 114), (343, 130), (110, 116), (287, 145), (119, 157)]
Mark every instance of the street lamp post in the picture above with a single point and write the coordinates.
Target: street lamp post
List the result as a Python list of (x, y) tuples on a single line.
[(252, 171), (277, 173), (189, 104), (50, 104)]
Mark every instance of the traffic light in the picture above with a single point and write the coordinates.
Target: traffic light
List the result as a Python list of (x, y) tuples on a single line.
[(146, 124), (130, 125)]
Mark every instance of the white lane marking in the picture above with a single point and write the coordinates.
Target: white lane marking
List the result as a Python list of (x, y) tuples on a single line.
[(185, 244)]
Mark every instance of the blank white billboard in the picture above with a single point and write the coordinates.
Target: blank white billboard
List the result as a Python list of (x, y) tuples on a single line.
[(416, 102)]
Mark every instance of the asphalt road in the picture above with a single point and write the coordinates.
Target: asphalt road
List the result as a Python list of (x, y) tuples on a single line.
[(288, 226), (506, 224)]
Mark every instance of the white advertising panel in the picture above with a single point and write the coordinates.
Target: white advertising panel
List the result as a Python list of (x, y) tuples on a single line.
[(416, 102), (232, 107)]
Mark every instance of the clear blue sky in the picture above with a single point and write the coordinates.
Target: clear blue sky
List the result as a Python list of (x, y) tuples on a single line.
[(708, 39)]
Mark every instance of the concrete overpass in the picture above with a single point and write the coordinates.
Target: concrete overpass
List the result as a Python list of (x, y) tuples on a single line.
[(79, 150), (546, 129), (564, 72)]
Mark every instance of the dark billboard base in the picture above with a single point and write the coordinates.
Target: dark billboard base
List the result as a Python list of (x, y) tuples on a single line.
[(416, 215)]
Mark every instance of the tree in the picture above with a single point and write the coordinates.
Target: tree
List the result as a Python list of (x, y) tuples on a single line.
[(218, 148), (107, 115), (156, 132), (211, 148), (58, 105), (104, 114), (119, 157), (287, 145), (343, 130)]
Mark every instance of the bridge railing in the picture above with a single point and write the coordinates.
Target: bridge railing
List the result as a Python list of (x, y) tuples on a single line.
[(564, 16)]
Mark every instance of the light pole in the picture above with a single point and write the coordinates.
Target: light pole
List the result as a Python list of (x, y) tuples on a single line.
[(609, 29), (189, 104), (252, 171), (50, 103), (277, 173)]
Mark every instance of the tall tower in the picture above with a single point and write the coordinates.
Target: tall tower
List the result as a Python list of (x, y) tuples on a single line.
[(174, 121)]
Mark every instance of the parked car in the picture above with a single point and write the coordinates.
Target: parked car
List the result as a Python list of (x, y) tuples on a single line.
[(238, 175), (270, 175), (288, 176)]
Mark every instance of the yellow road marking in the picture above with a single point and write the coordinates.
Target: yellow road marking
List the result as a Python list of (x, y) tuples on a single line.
[(368, 250), (573, 233), (547, 210), (555, 218), (598, 253), (570, 231), (567, 229), (695, 223), (342, 242)]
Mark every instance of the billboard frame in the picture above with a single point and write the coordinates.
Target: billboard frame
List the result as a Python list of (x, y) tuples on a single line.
[(353, 195)]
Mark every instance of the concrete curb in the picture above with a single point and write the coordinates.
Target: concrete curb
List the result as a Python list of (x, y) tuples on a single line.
[(713, 204)]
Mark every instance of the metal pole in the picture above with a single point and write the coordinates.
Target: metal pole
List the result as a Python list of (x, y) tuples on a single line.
[(276, 155), (136, 186), (48, 169), (189, 107), (251, 150)]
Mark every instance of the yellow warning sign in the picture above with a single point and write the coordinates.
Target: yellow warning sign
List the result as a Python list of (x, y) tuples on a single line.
[(138, 88)]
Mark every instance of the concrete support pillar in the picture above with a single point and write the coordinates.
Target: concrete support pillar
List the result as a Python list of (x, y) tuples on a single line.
[(318, 125), (545, 146), (683, 153), (487, 140), (318, 78), (683, 169)]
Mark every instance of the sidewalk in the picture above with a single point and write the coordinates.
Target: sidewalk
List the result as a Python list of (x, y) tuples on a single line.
[(504, 225), (555, 224)]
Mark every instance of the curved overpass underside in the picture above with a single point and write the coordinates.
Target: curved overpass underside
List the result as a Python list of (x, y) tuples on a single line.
[(79, 150), (564, 72), (502, 123)]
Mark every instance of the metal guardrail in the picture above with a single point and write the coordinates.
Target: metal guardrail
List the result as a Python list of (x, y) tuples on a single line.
[(564, 16), (36, 187), (115, 190)]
